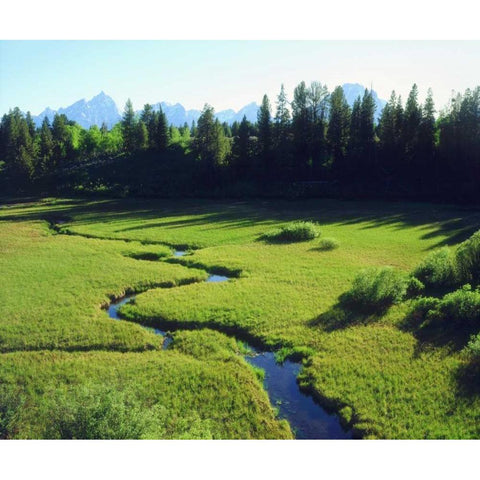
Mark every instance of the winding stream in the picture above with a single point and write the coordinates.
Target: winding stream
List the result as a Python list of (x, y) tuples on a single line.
[(307, 418)]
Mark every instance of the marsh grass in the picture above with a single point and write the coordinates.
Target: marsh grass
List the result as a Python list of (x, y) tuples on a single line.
[(298, 231), (367, 365), (326, 244), (375, 290)]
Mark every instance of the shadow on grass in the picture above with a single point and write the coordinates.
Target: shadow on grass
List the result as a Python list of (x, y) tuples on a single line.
[(449, 224), (343, 315), (435, 333), (468, 380)]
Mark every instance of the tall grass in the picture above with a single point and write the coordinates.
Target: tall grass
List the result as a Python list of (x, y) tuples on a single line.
[(293, 232), (374, 290)]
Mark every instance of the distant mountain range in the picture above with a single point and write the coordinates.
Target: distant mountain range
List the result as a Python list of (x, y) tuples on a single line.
[(102, 109), (98, 110)]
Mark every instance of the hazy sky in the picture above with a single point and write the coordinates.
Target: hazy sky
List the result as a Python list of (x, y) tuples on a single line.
[(226, 74)]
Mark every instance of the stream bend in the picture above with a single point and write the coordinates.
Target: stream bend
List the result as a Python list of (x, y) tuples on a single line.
[(306, 417)]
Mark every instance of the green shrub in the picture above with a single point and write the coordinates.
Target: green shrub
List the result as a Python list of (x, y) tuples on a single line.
[(460, 307), (437, 270), (328, 244), (11, 404), (422, 306), (375, 289), (414, 287), (467, 259), (96, 412), (473, 347), (293, 232)]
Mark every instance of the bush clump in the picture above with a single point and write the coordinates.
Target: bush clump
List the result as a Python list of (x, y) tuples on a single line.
[(328, 244), (437, 270), (422, 306), (473, 347), (375, 289), (444, 268), (414, 287), (293, 232), (94, 412), (467, 259), (461, 307)]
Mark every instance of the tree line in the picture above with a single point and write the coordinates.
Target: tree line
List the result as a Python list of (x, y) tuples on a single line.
[(314, 139)]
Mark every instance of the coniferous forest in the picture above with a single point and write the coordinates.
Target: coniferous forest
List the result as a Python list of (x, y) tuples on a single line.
[(315, 274), (312, 145)]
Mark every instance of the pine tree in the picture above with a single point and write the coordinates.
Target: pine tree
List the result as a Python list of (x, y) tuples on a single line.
[(301, 128), (367, 135), (61, 140), (388, 134), (210, 143), (427, 134), (354, 155), (281, 137), (338, 128), (162, 132), (264, 122), (128, 127), (31, 125), (317, 97), (241, 149), (411, 130), (193, 129), (19, 147), (46, 147), (150, 119), (141, 136)]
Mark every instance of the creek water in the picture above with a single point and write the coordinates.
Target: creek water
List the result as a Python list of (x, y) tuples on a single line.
[(306, 417)]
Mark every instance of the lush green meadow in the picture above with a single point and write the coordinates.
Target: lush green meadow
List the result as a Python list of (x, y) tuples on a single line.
[(384, 381)]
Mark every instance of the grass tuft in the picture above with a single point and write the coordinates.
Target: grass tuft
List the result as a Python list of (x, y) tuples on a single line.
[(293, 232), (328, 244)]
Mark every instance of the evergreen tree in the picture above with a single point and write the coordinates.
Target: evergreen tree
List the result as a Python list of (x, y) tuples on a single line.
[(61, 140), (226, 129), (141, 136), (459, 141), (193, 129), (19, 147), (282, 134), (389, 134), (354, 155), (162, 132), (234, 128), (129, 127), (317, 97), (46, 147), (264, 122), (367, 135), (150, 119), (338, 128), (31, 125), (411, 130), (210, 144), (426, 142), (301, 128), (241, 149)]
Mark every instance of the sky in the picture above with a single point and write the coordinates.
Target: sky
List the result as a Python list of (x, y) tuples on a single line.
[(225, 74)]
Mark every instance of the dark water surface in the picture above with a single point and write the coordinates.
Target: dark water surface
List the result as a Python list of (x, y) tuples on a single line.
[(307, 418)]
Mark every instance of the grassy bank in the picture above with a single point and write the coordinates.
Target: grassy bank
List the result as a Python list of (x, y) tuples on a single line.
[(386, 383)]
